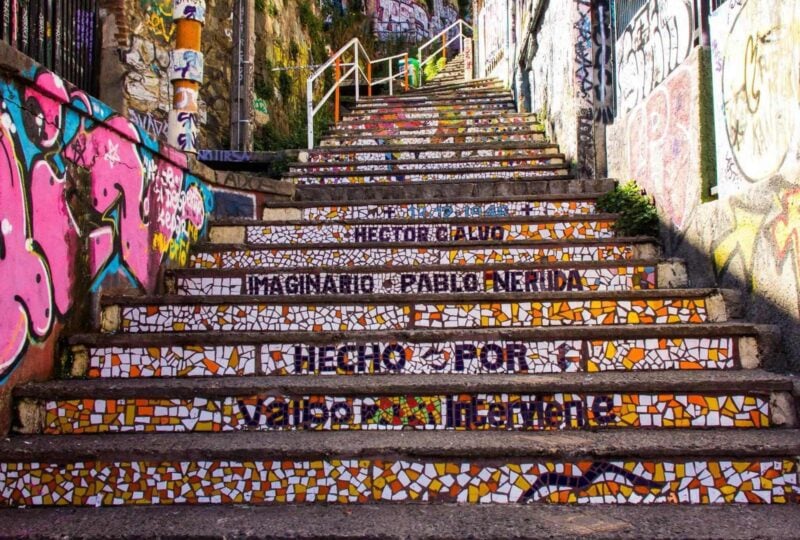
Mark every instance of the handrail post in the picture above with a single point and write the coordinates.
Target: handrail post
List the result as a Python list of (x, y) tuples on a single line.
[(444, 46), (406, 74), (358, 68), (391, 79), (337, 75), (419, 75), (310, 112), (369, 79)]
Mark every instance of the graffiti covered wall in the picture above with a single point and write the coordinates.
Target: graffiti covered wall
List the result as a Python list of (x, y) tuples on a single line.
[(411, 20), (756, 76), (88, 199)]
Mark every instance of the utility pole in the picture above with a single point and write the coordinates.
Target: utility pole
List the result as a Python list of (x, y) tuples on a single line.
[(242, 95)]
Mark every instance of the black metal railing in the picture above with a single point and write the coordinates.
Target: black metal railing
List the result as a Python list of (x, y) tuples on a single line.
[(62, 35)]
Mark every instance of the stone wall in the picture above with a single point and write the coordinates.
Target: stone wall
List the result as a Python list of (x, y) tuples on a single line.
[(88, 201), (136, 45)]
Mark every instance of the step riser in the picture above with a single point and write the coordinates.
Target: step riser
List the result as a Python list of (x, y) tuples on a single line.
[(466, 96), (439, 282), (448, 357), (435, 232), (442, 131), (435, 123), (498, 208), (471, 106), (355, 257), (415, 114), (434, 139), (445, 176), (392, 166), (480, 411), (281, 480), (344, 317), (333, 155)]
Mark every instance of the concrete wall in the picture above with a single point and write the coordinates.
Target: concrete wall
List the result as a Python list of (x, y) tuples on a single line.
[(87, 200)]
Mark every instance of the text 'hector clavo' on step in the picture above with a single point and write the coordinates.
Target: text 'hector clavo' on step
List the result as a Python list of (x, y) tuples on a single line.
[(415, 282), (427, 233)]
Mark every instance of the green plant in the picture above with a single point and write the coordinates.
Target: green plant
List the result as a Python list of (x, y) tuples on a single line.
[(637, 213), (261, 6)]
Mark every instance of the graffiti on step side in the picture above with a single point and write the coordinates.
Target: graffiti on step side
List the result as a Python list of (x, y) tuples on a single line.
[(651, 47), (50, 148)]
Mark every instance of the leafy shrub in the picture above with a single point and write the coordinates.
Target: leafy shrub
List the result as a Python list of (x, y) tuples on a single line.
[(637, 213)]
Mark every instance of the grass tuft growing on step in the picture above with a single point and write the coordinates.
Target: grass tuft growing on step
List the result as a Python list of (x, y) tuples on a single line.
[(637, 213)]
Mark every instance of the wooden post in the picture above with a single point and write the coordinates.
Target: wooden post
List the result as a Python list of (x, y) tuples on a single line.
[(337, 76)]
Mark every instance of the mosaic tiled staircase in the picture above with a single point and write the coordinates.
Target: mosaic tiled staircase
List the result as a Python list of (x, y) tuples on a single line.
[(441, 315)]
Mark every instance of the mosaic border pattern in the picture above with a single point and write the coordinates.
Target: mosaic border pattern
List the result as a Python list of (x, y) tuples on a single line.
[(347, 317), (362, 481), (365, 123), (450, 210), (462, 357), (366, 140), (345, 155), (439, 282), (391, 166), (333, 233), (353, 257), (432, 176), (460, 412)]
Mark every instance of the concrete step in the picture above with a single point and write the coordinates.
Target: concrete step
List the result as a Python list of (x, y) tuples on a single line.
[(445, 138), (489, 121), (474, 105), (439, 113), (443, 279), (667, 466), (359, 312), (413, 209), (386, 130), (432, 174), (453, 95), (405, 165), (464, 84), (432, 522), (414, 254), (433, 151), (437, 192), (501, 229), (564, 401), (712, 346)]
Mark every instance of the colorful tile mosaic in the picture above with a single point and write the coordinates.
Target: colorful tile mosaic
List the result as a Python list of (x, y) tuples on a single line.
[(338, 155), (477, 357), (500, 356), (396, 130), (366, 140), (443, 111), (450, 210), (431, 255), (361, 481), (433, 176), (347, 317), (366, 123), (531, 412), (338, 233), (174, 361), (385, 165), (622, 278)]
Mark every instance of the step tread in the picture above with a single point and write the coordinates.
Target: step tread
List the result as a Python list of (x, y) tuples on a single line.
[(420, 444), (387, 162), (722, 381), (404, 172), (419, 200), (446, 147), (382, 269), (432, 522), (619, 240), (629, 331), (249, 222), (457, 298), (540, 179)]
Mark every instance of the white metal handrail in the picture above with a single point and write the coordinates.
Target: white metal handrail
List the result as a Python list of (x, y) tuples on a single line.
[(353, 58), (442, 38)]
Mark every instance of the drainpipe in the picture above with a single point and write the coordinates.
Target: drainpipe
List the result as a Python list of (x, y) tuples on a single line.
[(244, 51), (186, 73)]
